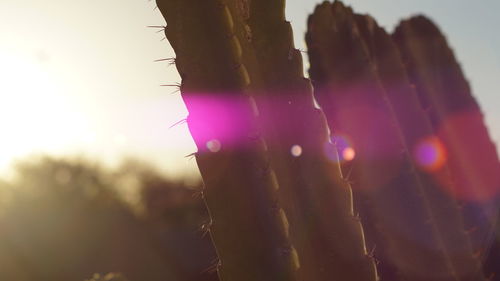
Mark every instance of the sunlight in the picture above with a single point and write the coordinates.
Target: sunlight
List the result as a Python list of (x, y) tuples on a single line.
[(34, 115)]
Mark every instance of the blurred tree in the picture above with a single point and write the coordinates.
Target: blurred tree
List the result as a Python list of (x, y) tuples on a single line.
[(66, 220)]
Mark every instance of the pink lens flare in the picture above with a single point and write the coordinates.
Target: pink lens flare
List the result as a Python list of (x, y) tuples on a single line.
[(345, 151), (348, 154), (216, 119), (430, 154), (296, 150), (214, 145)]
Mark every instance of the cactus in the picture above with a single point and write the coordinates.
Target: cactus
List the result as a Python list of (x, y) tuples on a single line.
[(247, 227), (362, 84), (263, 146), (310, 185), (492, 256), (457, 119), (316, 198)]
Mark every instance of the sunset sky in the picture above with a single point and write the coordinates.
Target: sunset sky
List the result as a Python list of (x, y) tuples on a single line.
[(78, 77)]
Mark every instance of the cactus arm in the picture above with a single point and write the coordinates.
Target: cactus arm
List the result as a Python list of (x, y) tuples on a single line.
[(457, 119), (249, 231), (347, 77), (415, 126), (317, 200)]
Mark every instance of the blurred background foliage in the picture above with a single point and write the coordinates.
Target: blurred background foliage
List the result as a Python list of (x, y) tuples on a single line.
[(66, 219)]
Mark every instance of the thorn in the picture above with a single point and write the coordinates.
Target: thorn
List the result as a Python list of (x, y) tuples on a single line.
[(198, 194), (178, 123), (162, 28), (191, 155), (213, 267), (171, 85), (356, 217), (348, 174), (171, 61), (371, 255), (372, 251), (156, 26), (205, 227), (347, 181)]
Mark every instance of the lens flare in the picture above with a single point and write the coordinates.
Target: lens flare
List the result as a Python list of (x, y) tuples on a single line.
[(430, 154), (214, 145), (344, 151), (348, 154), (296, 150)]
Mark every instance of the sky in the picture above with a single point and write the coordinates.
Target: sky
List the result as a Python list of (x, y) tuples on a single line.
[(78, 77)]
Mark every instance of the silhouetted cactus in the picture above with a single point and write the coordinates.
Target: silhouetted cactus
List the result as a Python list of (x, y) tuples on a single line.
[(457, 120), (317, 199), (362, 84), (249, 229), (262, 144)]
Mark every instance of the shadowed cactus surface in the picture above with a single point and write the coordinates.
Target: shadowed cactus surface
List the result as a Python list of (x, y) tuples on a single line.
[(407, 191), (457, 120), (248, 228), (281, 207), (279, 104)]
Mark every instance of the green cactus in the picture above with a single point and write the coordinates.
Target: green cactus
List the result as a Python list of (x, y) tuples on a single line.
[(361, 82)]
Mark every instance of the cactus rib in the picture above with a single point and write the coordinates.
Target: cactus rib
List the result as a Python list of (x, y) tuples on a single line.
[(356, 66), (250, 234)]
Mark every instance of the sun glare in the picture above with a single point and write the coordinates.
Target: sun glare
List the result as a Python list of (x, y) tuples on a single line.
[(35, 116)]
